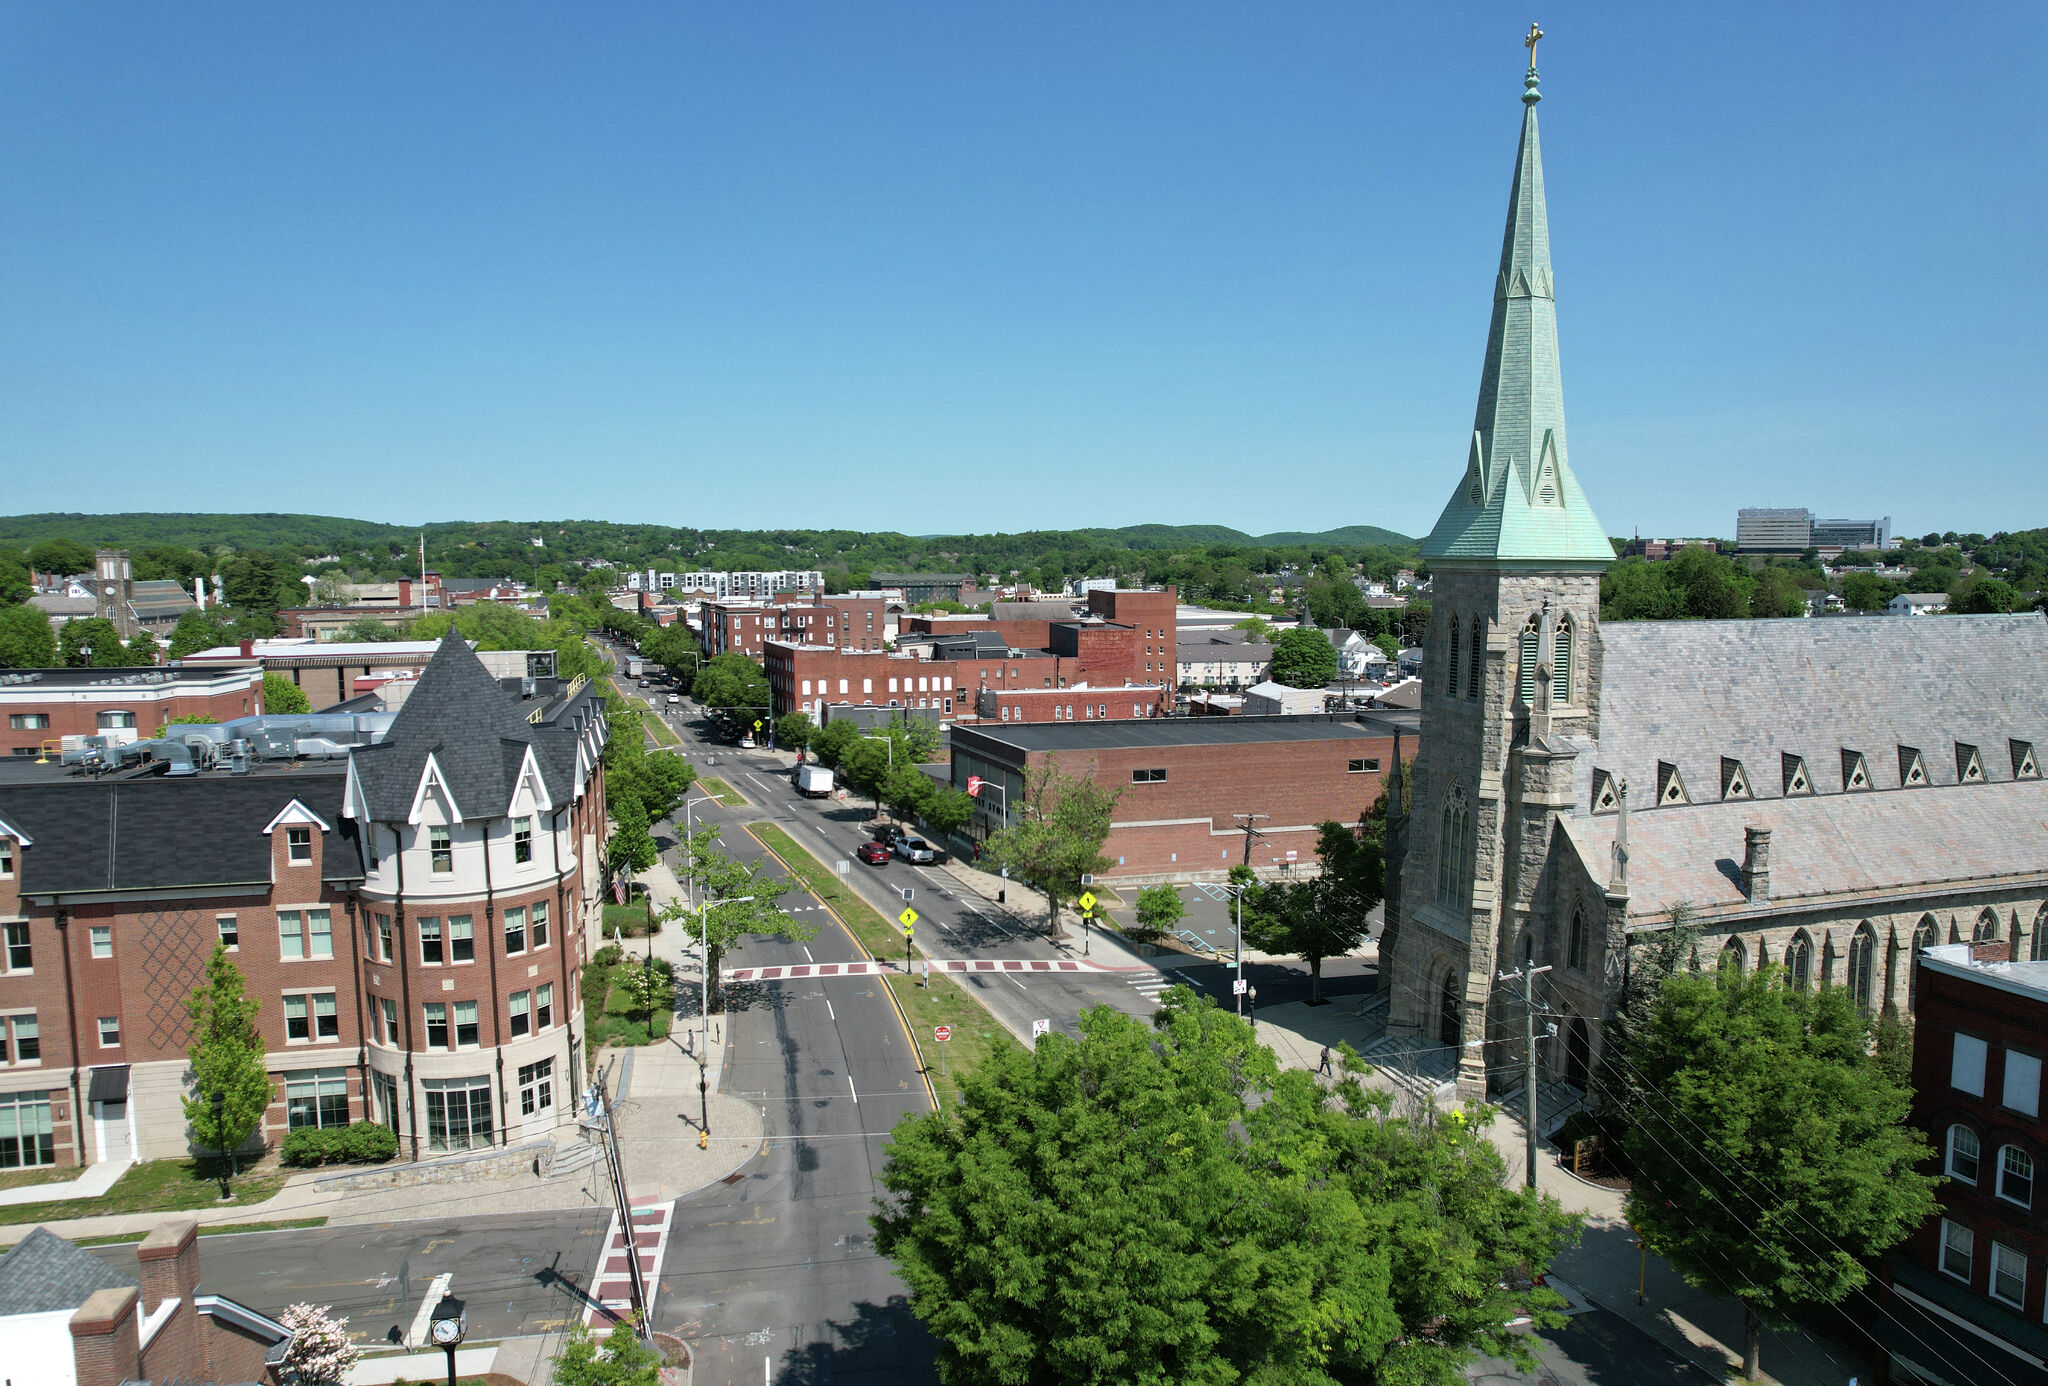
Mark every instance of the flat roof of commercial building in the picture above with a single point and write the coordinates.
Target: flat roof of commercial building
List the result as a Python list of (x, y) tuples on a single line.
[(1177, 731), (145, 677)]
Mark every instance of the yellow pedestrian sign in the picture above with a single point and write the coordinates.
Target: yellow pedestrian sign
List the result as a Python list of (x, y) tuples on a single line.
[(1087, 899), (907, 918)]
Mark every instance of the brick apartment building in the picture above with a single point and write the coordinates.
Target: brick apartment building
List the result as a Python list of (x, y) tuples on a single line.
[(741, 627), (1182, 782), (1154, 613), (1968, 1292), (1082, 703), (45, 706), (411, 921)]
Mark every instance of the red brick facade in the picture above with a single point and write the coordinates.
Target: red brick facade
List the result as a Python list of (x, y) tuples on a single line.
[(128, 704), (848, 623), (1084, 703)]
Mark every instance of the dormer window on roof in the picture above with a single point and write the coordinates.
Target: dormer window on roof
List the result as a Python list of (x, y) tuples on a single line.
[(1734, 780), (1912, 770), (1670, 785), (1969, 765), (1605, 800), (1855, 772), (1797, 780), (2024, 766)]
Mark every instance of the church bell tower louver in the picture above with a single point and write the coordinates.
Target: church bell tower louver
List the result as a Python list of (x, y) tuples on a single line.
[(1515, 561)]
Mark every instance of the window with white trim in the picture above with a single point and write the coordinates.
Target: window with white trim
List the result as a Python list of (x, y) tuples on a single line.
[(2008, 1274), (110, 1032), (2016, 1176), (522, 840), (303, 934), (466, 1027), (6, 858), (461, 938), (436, 1013), (521, 1011), (21, 1039), (430, 939), (26, 1137), (544, 1006), (539, 932), (20, 956), (1957, 1247), (310, 1016), (515, 929), (316, 1098), (388, 1008), (298, 846), (101, 937), (536, 1087), (458, 1112), (441, 851), (1964, 1151)]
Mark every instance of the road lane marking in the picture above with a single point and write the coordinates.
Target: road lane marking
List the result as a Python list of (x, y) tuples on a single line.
[(830, 1012), (852, 1089), (807, 954)]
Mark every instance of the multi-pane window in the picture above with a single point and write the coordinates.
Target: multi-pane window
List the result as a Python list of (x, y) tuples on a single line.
[(116, 721), (316, 1097), (102, 936), (2008, 1274), (515, 929), (305, 934), (110, 1032), (465, 1025), (311, 1016), (430, 939), (28, 721), (442, 851), (384, 1094), (20, 957), (298, 846), (1152, 776), (384, 938), (522, 840), (1454, 862), (437, 1024), (1963, 1151), (458, 1112), (536, 1087), (388, 1008), (25, 1134), (21, 1040), (229, 930), (540, 923), (1957, 1245), (544, 1006), (461, 939), (522, 1013), (2016, 1176)]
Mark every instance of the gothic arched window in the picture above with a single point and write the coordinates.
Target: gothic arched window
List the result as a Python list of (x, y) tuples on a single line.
[(1734, 955), (1575, 952), (1862, 963), (1925, 936), (1476, 662), (1451, 664), (1453, 865), (1525, 682), (1799, 961), (1561, 663), (1987, 926), (2040, 953)]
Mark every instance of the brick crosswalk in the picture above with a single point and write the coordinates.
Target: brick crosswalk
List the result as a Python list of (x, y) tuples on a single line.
[(793, 971), (611, 1285)]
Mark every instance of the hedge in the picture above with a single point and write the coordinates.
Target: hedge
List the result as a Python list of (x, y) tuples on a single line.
[(365, 1143)]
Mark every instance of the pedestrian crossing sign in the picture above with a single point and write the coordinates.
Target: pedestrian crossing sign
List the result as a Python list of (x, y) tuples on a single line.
[(907, 918), (1087, 899)]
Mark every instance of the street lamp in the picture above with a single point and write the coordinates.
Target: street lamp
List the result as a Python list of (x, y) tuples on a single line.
[(1252, 995), (220, 1129), (451, 1323)]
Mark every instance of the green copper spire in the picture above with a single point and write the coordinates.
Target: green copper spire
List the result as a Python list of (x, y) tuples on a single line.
[(1518, 501)]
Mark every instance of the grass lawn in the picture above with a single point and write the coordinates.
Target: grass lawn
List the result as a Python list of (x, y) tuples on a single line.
[(23, 1178), (612, 1015), (630, 920), (213, 1230), (721, 791), (976, 1033), (156, 1186)]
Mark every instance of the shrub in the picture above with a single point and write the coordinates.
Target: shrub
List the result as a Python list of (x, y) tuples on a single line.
[(370, 1143), (365, 1143), (308, 1147)]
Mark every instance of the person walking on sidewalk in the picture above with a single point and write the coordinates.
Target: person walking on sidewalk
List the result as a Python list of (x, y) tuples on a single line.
[(1324, 1067)]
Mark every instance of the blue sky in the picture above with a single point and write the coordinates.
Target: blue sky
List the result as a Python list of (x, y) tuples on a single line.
[(943, 267)]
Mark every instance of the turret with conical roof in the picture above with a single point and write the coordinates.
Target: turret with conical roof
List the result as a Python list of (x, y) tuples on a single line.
[(1518, 502)]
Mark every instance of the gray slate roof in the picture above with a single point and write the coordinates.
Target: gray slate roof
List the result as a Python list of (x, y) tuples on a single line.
[(472, 728), (168, 833), (1691, 692), (45, 1273)]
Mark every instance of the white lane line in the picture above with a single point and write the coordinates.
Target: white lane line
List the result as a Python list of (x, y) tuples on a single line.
[(1017, 984), (852, 1089), (830, 1012), (807, 953), (991, 919)]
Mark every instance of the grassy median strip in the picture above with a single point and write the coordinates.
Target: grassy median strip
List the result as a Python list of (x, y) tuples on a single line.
[(663, 735), (976, 1033), (721, 791)]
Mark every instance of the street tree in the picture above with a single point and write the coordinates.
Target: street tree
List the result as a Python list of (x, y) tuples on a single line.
[(228, 1059), (1159, 909), (623, 1359), (1203, 1216), (733, 685), (1304, 658), (655, 781), (26, 640), (1321, 916), (947, 810), (630, 849), (1771, 1153), (830, 743), (320, 1353), (794, 732), (907, 790), (1056, 837), (282, 697), (715, 875), (196, 631)]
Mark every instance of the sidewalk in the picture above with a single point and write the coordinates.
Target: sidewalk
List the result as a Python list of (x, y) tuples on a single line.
[(1605, 1266)]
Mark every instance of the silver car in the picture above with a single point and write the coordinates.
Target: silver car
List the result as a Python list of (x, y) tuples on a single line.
[(916, 851)]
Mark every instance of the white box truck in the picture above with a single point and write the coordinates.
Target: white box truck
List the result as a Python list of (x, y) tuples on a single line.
[(813, 781), (635, 666)]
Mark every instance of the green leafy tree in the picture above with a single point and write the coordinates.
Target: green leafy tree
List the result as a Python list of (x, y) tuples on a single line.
[(94, 641), (1204, 1217), (26, 640), (1869, 592), (1056, 837), (907, 790), (1304, 658), (734, 685), (1414, 625), (196, 630), (282, 697), (624, 1359), (1321, 916), (831, 743), (227, 1057), (1255, 628), (1333, 602), (716, 875), (630, 848), (15, 583), (60, 556), (1771, 1153), (1777, 594), (365, 630), (1160, 909), (1983, 596), (793, 732), (947, 810)]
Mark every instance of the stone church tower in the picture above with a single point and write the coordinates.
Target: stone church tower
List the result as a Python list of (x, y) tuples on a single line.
[(1511, 676)]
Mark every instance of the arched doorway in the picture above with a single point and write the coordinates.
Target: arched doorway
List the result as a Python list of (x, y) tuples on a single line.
[(1447, 1018), (1578, 1052)]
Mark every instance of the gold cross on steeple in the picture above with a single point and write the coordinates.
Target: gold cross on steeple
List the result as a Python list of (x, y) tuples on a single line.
[(1535, 33)]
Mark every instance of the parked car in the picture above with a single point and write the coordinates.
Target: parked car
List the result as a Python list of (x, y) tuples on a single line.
[(887, 833), (674, 699), (644, 684), (873, 853), (916, 850), (746, 743)]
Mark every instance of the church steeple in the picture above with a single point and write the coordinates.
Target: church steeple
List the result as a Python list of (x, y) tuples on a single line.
[(1518, 501)]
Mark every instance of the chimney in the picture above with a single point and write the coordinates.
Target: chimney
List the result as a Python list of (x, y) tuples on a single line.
[(248, 649), (1756, 863), (169, 1261), (106, 1349)]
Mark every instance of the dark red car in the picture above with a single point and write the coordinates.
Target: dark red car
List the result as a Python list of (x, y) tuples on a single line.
[(874, 853)]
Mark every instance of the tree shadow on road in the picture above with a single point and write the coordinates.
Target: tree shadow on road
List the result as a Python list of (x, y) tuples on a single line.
[(880, 1343)]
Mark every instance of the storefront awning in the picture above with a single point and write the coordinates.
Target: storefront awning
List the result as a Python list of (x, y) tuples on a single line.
[(109, 1084)]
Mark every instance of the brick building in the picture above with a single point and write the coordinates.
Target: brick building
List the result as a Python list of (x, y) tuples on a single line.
[(1082, 703), (410, 920), (1184, 780), (327, 670), (740, 627), (1154, 613), (45, 706), (1967, 1294)]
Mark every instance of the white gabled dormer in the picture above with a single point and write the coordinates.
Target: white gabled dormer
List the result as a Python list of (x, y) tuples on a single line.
[(296, 813), (433, 787), (530, 790)]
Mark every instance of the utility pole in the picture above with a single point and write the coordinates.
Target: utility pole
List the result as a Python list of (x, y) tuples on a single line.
[(1249, 831), (1528, 973), (615, 1167)]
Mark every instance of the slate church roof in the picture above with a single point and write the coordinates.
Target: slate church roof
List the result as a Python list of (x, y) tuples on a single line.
[(43, 1273), (472, 730)]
